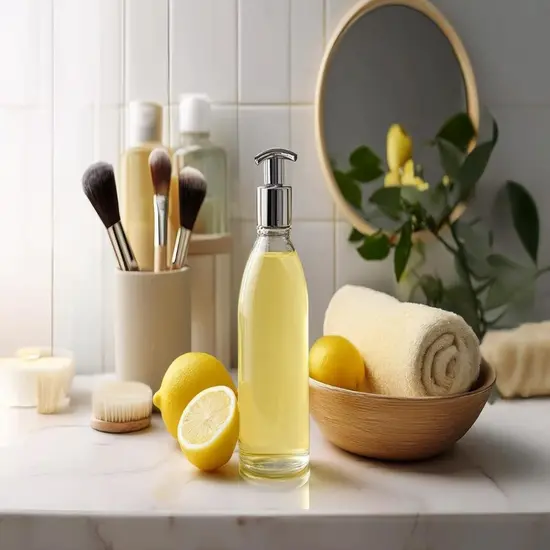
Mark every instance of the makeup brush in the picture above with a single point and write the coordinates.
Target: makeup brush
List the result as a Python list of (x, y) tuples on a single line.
[(161, 172), (192, 191), (99, 186)]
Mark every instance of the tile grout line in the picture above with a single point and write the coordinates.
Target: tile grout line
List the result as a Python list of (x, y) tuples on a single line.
[(52, 174)]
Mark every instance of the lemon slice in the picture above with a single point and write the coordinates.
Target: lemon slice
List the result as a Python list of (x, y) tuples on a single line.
[(208, 429)]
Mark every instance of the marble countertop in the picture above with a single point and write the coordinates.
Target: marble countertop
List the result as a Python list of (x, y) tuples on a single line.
[(65, 486)]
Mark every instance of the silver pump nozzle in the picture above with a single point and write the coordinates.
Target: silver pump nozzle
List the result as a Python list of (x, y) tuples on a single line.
[(274, 199)]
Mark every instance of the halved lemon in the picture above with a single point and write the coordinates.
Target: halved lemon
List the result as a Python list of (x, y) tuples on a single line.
[(208, 429)]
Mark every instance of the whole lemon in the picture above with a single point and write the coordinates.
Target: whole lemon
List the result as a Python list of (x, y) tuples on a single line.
[(186, 377), (334, 360)]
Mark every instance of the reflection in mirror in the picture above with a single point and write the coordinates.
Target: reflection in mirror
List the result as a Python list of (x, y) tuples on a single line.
[(391, 65)]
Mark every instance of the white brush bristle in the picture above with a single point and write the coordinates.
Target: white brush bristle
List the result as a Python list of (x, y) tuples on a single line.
[(191, 172), (122, 401), (50, 386)]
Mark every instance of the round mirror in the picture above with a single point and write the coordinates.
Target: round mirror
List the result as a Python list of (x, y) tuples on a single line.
[(389, 62)]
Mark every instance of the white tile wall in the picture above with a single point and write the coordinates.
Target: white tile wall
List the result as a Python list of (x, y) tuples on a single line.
[(307, 33), (75, 46), (264, 51), (69, 67), (77, 242), (259, 128), (26, 52), (311, 200), (25, 225), (314, 242), (146, 43), (207, 31)]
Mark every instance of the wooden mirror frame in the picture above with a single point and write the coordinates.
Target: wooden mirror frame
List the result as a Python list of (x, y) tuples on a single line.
[(358, 11)]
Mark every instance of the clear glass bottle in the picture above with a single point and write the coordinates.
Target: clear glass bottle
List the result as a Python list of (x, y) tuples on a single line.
[(273, 339), (196, 150), (135, 184)]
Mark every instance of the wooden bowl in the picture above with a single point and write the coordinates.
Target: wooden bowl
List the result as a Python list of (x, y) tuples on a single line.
[(397, 428)]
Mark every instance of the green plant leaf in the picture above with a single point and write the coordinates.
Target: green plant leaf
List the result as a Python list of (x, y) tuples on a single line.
[(459, 300), (474, 165), (375, 247), (388, 200), (412, 195), (450, 156), (525, 217), (355, 236), (366, 175), (498, 262), (433, 200), (477, 248), (511, 282), (432, 288), (349, 189), (458, 130), (402, 250), (365, 165)]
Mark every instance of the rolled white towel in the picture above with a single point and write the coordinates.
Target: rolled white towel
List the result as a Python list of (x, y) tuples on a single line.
[(410, 350), (521, 359)]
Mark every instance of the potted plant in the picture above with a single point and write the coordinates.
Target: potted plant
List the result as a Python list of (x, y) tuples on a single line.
[(410, 208)]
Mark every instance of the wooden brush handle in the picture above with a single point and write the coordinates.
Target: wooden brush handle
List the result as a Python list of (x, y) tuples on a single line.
[(160, 258)]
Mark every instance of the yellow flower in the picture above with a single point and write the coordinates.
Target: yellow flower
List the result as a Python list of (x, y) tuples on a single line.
[(400, 162), (398, 147), (392, 179), (409, 178), (405, 176), (446, 180)]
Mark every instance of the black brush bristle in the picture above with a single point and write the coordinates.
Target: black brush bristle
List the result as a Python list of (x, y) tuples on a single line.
[(192, 191), (99, 186)]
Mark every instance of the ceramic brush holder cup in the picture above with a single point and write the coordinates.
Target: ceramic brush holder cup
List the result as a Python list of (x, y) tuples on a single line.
[(152, 323)]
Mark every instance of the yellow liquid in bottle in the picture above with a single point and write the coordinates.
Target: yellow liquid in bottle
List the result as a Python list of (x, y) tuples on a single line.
[(273, 367), (136, 203)]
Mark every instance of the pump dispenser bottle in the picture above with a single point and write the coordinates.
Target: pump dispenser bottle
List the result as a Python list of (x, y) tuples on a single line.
[(273, 338)]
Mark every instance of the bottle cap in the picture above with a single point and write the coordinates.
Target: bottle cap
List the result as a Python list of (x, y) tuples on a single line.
[(274, 199), (144, 123), (194, 114)]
